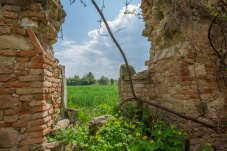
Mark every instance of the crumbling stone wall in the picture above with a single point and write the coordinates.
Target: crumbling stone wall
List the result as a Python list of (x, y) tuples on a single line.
[(31, 80), (181, 75)]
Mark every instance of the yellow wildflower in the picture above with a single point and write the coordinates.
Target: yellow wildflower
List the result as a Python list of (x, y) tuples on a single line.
[(138, 134), (208, 144), (144, 137), (179, 132), (151, 141), (159, 132), (133, 126), (99, 138), (97, 133)]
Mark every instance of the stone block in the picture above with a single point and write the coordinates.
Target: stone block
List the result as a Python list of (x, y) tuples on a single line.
[(26, 22), (36, 84), (15, 42), (8, 138), (36, 71), (31, 78), (12, 8), (37, 102), (124, 70), (30, 90)]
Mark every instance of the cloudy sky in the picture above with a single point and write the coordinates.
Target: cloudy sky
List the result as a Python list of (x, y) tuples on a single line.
[(83, 50)]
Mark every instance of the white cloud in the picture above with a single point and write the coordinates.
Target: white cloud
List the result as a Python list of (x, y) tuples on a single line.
[(100, 55)]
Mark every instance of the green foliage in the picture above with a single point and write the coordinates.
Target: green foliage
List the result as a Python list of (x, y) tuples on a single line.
[(103, 80), (121, 135), (87, 79), (93, 100)]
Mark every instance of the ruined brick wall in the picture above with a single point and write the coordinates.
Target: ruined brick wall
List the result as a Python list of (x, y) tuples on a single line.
[(182, 74), (30, 77)]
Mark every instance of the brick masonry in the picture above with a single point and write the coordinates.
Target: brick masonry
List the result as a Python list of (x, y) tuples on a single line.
[(31, 79), (180, 75)]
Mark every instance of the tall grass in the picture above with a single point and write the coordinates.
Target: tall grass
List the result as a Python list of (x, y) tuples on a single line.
[(93, 100)]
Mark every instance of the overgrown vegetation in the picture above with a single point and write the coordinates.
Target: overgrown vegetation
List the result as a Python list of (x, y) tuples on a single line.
[(122, 133)]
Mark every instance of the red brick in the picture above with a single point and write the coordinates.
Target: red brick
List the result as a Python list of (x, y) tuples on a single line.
[(37, 102), (185, 83), (40, 96), (28, 53), (4, 125), (22, 59), (39, 109), (7, 90), (16, 84), (186, 78), (37, 128), (195, 96), (11, 22), (24, 111), (10, 14), (38, 14), (5, 78), (39, 133), (40, 121), (183, 64), (19, 31), (29, 141), (21, 65), (188, 92), (12, 8), (50, 90), (5, 70), (22, 72), (26, 105), (11, 112), (8, 52), (190, 56), (5, 30), (38, 66), (35, 6), (26, 98), (12, 102), (20, 123)]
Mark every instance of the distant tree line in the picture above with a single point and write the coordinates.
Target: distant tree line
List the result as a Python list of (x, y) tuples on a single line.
[(89, 79)]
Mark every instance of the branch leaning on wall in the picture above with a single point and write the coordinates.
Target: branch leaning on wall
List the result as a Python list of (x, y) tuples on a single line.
[(135, 98)]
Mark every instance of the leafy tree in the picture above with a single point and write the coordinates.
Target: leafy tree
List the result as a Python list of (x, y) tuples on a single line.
[(87, 79), (103, 80), (112, 81)]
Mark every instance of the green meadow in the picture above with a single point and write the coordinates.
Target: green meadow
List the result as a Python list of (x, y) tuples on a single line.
[(93, 100)]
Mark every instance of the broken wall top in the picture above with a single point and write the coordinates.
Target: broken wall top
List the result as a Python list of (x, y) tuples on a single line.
[(43, 16)]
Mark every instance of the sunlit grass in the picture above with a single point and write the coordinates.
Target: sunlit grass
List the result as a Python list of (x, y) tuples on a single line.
[(93, 100)]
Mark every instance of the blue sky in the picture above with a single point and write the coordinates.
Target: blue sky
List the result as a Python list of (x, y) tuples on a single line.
[(83, 49)]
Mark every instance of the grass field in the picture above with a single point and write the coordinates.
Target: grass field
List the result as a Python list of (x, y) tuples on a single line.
[(93, 100)]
